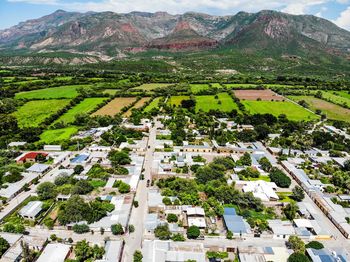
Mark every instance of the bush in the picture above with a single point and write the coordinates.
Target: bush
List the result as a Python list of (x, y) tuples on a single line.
[(172, 218), (137, 256), (123, 188), (298, 257), (117, 229), (178, 237), (49, 223), (46, 190), (4, 245), (314, 245), (167, 201), (229, 235), (80, 229), (162, 232), (193, 232), (131, 228)]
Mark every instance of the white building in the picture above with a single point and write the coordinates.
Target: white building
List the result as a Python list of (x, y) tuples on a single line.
[(56, 252), (31, 210), (260, 189)]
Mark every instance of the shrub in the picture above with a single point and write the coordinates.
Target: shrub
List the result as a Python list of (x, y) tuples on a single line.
[(80, 229), (298, 257), (193, 232), (162, 232), (117, 229), (172, 218), (314, 245), (178, 237)]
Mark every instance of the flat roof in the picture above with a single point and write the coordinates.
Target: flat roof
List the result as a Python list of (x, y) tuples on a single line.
[(38, 168), (32, 209), (54, 253)]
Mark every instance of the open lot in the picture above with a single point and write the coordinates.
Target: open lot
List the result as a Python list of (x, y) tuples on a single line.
[(138, 104), (224, 102), (331, 110), (114, 107), (151, 86), (176, 100), (50, 136), (291, 110), (53, 92), (32, 113), (86, 106), (266, 95)]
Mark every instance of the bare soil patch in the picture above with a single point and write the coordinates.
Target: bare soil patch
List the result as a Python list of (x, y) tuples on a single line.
[(266, 95), (115, 106)]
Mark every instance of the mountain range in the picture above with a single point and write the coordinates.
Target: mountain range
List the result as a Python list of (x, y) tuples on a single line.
[(108, 35)]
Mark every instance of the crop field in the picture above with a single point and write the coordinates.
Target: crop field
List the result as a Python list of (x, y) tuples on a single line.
[(266, 95), (345, 94), (224, 102), (110, 91), (176, 100), (152, 86), (331, 110), (291, 110), (115, 106), (240, 86), (86, 106), (53, 135), (49, 93), (32, 113), (336, 98), (138, 104), (153, 104), (195, 88)]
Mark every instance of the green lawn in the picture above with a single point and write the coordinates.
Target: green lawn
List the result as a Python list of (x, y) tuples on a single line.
[(86, 106), (32, 113), (291, 110), (265, 178), (331, 110), (207, 103), (176, 100), (284, 197), (243, 86), (53, 92), (53, 135)]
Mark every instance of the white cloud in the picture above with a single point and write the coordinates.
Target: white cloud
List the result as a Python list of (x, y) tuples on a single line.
[(344, 19), (41, 2)]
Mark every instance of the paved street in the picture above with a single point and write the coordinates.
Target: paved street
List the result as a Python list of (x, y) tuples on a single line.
[(138, 215)]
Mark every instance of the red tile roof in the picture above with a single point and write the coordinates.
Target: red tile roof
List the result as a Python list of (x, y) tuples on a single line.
[(32, 155)]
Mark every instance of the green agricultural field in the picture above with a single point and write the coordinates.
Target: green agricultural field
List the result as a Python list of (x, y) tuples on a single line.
[(216, 85), (291, 110), (195, 88), (176, 100), (152, 86), (240, 86), (224, 103), (110, 91), (331, 110), (53, 92), (86, 106), (153, 104), (336, 98), (32, 113), (53, 135), (345, 94)]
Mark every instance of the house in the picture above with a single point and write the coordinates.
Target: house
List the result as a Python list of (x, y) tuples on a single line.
[(30, 157), (31, 210), (281, 229), (205, 148), (17, 144), (14, 189), (162, 251), (52, 148), (235, 223), (263, 254), (155, 201), (38, 168), (196, 217), (151, 222), (324, 254), (261, 189), (80, 159), (113, 251), (55, 252)]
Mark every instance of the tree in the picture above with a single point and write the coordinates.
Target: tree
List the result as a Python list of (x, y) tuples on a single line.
[(193, 232), (295, 243), (46, 190), (117, 229), (245, 160), (172, 218), (229, 234), (119, 158), (290, 210), (28, 255), (162, 232), (83, 251), (166, 201), (81, 228), (298, 257), (82, 187), (78, 169), (314, 245), (131, 228), (178, 237), (4, 245), (265, 164), (347, 165), (280, 178), (123, 188), (298, 193), (137, 256)]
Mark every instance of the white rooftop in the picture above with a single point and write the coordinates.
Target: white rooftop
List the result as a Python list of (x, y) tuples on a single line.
[(54, 253)]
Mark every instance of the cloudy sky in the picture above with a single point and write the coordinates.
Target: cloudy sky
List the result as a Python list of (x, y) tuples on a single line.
[(14, 11)]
